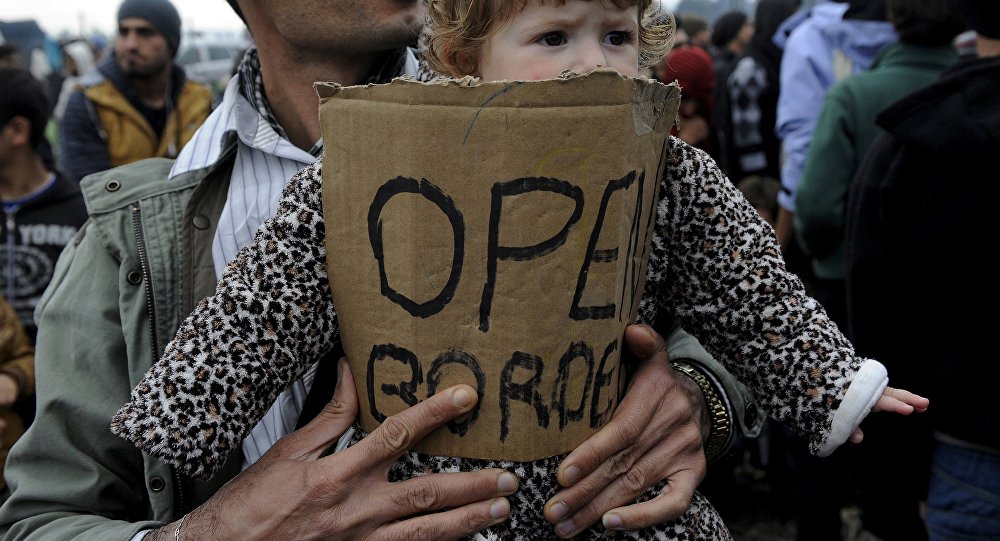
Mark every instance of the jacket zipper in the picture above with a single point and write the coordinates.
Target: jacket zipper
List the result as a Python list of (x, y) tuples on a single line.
[(9, 271), (140, 240)]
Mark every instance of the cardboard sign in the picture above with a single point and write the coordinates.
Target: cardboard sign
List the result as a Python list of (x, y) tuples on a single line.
[(495, 235)]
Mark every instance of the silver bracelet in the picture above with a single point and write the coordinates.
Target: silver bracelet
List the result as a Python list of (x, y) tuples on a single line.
[(177, 531)]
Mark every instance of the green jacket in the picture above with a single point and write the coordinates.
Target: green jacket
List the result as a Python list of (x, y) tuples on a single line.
[(119, 293), (844, 132)]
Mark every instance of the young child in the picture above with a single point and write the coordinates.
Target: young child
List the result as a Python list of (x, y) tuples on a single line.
[(714, 264)]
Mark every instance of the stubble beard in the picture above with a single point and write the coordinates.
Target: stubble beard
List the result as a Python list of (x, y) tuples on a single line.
[(135, 70)]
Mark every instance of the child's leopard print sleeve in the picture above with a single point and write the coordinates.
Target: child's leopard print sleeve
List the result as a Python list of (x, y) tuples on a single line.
[(271, 317), (717, 266)]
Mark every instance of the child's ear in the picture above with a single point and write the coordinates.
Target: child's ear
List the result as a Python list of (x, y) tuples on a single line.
[(466, 64)]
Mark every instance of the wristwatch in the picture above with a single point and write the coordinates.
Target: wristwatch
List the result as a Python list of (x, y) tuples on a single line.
[(720, 426)]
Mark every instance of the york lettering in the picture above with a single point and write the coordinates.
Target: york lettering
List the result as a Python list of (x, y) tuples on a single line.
[(46, 234)]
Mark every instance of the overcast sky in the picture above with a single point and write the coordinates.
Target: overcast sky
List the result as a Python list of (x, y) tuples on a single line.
[(57, 16), (74, 16)]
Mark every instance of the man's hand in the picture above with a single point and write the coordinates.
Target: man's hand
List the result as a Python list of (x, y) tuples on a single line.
[(655, 434), (294, 492)]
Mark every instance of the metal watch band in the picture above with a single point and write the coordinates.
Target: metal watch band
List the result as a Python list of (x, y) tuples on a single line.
[(718, 416)]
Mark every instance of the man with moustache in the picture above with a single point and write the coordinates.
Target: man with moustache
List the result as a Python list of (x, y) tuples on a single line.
[(161, 231), (138, 103)]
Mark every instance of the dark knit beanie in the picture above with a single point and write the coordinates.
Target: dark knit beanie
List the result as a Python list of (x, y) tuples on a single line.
[(160, 13), (983, 16), (727, 27)]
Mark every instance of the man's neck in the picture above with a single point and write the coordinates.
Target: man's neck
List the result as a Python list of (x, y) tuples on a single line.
[(21, 175), (152, 91), (288, 77)]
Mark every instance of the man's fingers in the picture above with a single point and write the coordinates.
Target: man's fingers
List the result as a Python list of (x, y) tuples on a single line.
[(434, 492), (312, 440), (579, 507), (598, 449), (452, 524), (402, 431), (673, 501)]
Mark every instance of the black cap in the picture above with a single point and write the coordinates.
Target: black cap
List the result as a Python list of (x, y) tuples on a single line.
[(160, 13)]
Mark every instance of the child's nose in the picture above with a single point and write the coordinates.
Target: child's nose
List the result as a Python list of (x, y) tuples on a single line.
[(590, 56)]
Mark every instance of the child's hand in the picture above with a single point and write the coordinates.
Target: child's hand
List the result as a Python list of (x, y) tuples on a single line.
[(896, 401)]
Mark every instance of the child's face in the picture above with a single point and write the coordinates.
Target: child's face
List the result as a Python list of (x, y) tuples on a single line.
[(545, 39)]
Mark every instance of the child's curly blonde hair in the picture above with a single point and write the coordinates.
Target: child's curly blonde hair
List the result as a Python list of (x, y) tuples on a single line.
[(457, 29)]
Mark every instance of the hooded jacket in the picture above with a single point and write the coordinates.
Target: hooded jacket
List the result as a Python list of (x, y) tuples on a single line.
[(822, 48), (83, 57)]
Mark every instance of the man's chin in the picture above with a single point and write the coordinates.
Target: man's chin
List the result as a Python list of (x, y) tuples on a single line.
[(137, 71)]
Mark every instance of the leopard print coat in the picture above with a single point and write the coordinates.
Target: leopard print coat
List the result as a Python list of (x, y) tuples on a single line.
[(714, 264)]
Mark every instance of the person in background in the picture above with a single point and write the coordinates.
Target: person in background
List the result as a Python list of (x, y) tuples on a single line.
[(78, 59), (42, 208), (748, 99), (692, 68), (731, 34), (921, 225), (17, 382), (138, 104), (162, 230), (832, 40), (846, 129), (696, 30)]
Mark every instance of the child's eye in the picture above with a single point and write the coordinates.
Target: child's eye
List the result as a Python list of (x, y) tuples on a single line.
[(553, 39), (618, 37)]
